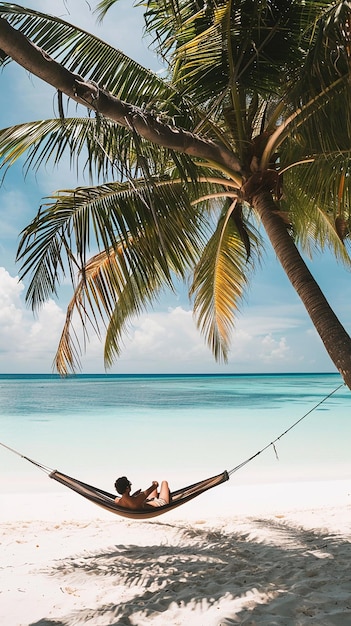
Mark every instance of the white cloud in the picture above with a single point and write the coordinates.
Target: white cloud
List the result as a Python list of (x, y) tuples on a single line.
[(158, 341), (273, 350), (10, 291), (165, 337), (26, 344)]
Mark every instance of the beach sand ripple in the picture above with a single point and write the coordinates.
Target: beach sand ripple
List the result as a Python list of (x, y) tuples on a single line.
[(291, 568)]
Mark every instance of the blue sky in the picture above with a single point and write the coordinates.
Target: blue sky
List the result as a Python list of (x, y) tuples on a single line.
[(273, 332)]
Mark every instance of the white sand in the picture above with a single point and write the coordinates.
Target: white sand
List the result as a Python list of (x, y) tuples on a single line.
[(275, 555)]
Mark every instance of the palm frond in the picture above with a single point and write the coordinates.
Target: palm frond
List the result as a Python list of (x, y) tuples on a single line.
[(45, 141), (327, 50), (298, 136), (317, 112), (318, 195), (107, 292), (224, 55), (106, 149), (248, 44), (103, 7), (85, 54), (97, 61), (123, 279), (219, 282), (159, 217), (127, 307)]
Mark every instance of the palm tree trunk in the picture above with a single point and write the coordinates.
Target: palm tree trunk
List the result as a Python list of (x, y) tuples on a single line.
[(334, 336), (38, 62)]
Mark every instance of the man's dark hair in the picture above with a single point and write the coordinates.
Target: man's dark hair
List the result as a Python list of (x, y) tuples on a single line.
[(121, 484)]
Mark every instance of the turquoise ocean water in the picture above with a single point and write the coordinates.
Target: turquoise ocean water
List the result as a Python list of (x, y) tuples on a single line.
[(182, 428)]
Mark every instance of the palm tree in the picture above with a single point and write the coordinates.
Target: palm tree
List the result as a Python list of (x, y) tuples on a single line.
[(251, 126)]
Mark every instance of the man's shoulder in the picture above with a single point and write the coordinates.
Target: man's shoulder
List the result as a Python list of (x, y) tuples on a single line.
[(128, 502)]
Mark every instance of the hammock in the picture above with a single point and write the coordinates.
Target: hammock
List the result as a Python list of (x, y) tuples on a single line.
[(107, 500)]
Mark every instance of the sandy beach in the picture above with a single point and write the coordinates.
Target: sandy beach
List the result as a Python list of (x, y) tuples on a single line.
[(267, 555)]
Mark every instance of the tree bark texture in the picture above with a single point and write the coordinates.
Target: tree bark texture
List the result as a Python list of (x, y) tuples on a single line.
[(334, 336), (147, 125)]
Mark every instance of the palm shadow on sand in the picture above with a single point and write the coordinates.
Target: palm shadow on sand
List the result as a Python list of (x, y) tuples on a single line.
[(231, 578)]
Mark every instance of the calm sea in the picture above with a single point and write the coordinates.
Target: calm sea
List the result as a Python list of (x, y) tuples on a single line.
[(183, 428)]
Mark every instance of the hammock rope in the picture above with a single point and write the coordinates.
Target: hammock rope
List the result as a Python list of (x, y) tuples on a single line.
[(272, 443), (107, 500), (42, 467)]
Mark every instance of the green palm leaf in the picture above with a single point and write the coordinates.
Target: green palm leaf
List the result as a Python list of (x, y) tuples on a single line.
[(220, 280), (48, 140), (86, 54), (107, 290), (318, 195), (97, 61), (247, 44), (298, 138), (159, 217), (106, 149)]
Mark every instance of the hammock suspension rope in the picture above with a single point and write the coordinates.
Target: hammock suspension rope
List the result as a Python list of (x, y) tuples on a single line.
[(272, 443)]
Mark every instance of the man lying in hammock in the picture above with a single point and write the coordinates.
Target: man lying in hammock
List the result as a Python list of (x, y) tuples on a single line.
[(141, 499)]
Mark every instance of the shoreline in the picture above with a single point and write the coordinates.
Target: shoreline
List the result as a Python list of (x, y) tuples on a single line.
[(226, 500)]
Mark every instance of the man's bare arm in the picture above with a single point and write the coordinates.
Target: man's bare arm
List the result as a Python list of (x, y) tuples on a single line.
[(139, 499)]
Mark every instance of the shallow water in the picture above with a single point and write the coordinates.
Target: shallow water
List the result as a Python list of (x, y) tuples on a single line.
[(176, 427)]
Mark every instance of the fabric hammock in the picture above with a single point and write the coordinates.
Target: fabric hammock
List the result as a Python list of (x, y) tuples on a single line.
[(107, 500)]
